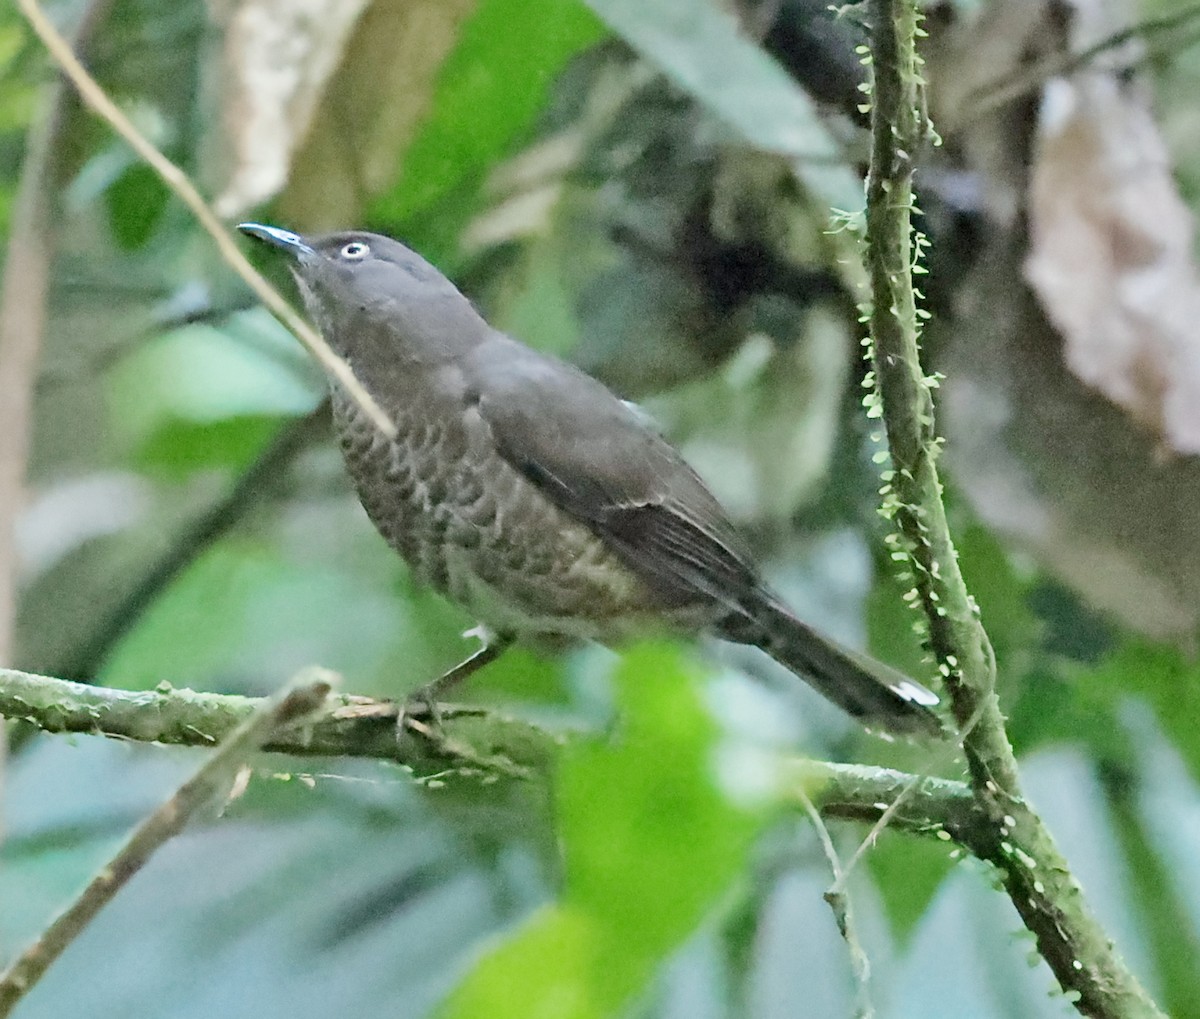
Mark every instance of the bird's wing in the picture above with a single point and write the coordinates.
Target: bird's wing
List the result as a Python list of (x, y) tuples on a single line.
[(601, 461)]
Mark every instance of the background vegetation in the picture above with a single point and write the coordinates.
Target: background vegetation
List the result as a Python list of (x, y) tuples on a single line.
[(645, 188)]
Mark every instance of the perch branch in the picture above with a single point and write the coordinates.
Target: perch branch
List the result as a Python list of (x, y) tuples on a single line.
[(482, 742), (478, 739), (353, 727)]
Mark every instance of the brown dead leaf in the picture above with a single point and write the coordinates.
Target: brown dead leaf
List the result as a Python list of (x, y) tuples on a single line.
[(319, 98), (1058, 467), (277, 57), (1111, 254), (371, 110)]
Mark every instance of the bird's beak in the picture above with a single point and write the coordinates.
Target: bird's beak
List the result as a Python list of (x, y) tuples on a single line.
[(292, 245)]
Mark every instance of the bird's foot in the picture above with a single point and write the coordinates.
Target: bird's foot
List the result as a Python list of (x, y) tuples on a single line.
[(421, 712)]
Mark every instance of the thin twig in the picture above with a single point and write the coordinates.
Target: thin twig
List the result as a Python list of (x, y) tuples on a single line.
[(991, 97), (869, 840), (298, 700), (838, 898), (941, 760), (179, 183)]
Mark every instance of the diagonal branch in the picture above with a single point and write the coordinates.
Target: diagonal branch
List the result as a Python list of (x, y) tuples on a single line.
[(298, 700), (179, 184)]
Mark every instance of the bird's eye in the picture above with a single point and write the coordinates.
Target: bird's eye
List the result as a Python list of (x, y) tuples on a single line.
[(354, 251)]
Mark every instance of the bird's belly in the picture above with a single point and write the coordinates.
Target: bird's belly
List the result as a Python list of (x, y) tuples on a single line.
[(487, 537), (503, 608)]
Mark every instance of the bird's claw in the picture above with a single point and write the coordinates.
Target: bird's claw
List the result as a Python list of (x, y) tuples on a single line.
[(420, 713)]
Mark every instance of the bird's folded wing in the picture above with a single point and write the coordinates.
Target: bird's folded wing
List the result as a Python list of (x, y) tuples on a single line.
[(603, 463)]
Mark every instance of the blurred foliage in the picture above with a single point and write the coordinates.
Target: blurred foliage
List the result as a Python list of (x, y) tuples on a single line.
[(644, 188), (495, 80), (629, 816)]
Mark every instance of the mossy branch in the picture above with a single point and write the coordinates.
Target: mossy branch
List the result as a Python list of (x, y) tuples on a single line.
[(1037, 877), (299, 699), (488, 744), (475, 739), (350, 727)]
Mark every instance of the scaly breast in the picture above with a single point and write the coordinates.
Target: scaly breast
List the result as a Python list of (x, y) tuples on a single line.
[(474, 528)]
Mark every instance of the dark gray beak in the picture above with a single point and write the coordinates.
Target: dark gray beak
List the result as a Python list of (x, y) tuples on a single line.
[(292, 245)]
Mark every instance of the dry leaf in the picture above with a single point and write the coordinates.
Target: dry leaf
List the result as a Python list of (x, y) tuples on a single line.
[(1111, 254), (371, 109), (1055, 465), (278, 56)]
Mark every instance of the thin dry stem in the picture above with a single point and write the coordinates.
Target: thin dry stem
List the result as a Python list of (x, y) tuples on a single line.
[(838, 898), (177, 181)]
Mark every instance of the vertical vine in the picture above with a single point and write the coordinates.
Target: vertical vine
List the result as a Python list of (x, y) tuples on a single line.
[(1037, 877)]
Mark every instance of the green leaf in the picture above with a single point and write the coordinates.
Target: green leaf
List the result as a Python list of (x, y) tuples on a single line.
[(489, 90), (908, 872), (701, 48), (136, 201), (1167, 680), (651, 843), (549, 971), (178, 449), (168, 397), (244, 616), (1055, 706), (194, 631)]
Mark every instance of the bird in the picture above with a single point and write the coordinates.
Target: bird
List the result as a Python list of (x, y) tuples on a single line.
[(525, 490)]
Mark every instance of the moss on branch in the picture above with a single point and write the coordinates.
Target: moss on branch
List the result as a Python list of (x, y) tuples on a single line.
[(1014, 838)]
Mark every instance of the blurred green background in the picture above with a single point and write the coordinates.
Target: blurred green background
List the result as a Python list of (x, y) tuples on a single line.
[(644, 188)]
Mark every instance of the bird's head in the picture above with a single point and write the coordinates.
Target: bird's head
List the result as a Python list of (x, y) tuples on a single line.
[(360, 286)]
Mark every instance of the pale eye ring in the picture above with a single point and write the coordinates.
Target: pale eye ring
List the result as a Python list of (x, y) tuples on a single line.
[(355, 251)]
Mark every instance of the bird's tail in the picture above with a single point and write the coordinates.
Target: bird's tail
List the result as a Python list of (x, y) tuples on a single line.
[(872, 692)]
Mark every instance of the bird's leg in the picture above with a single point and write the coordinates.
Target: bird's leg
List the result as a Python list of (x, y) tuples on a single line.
[(493, 648), (423, 702)]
